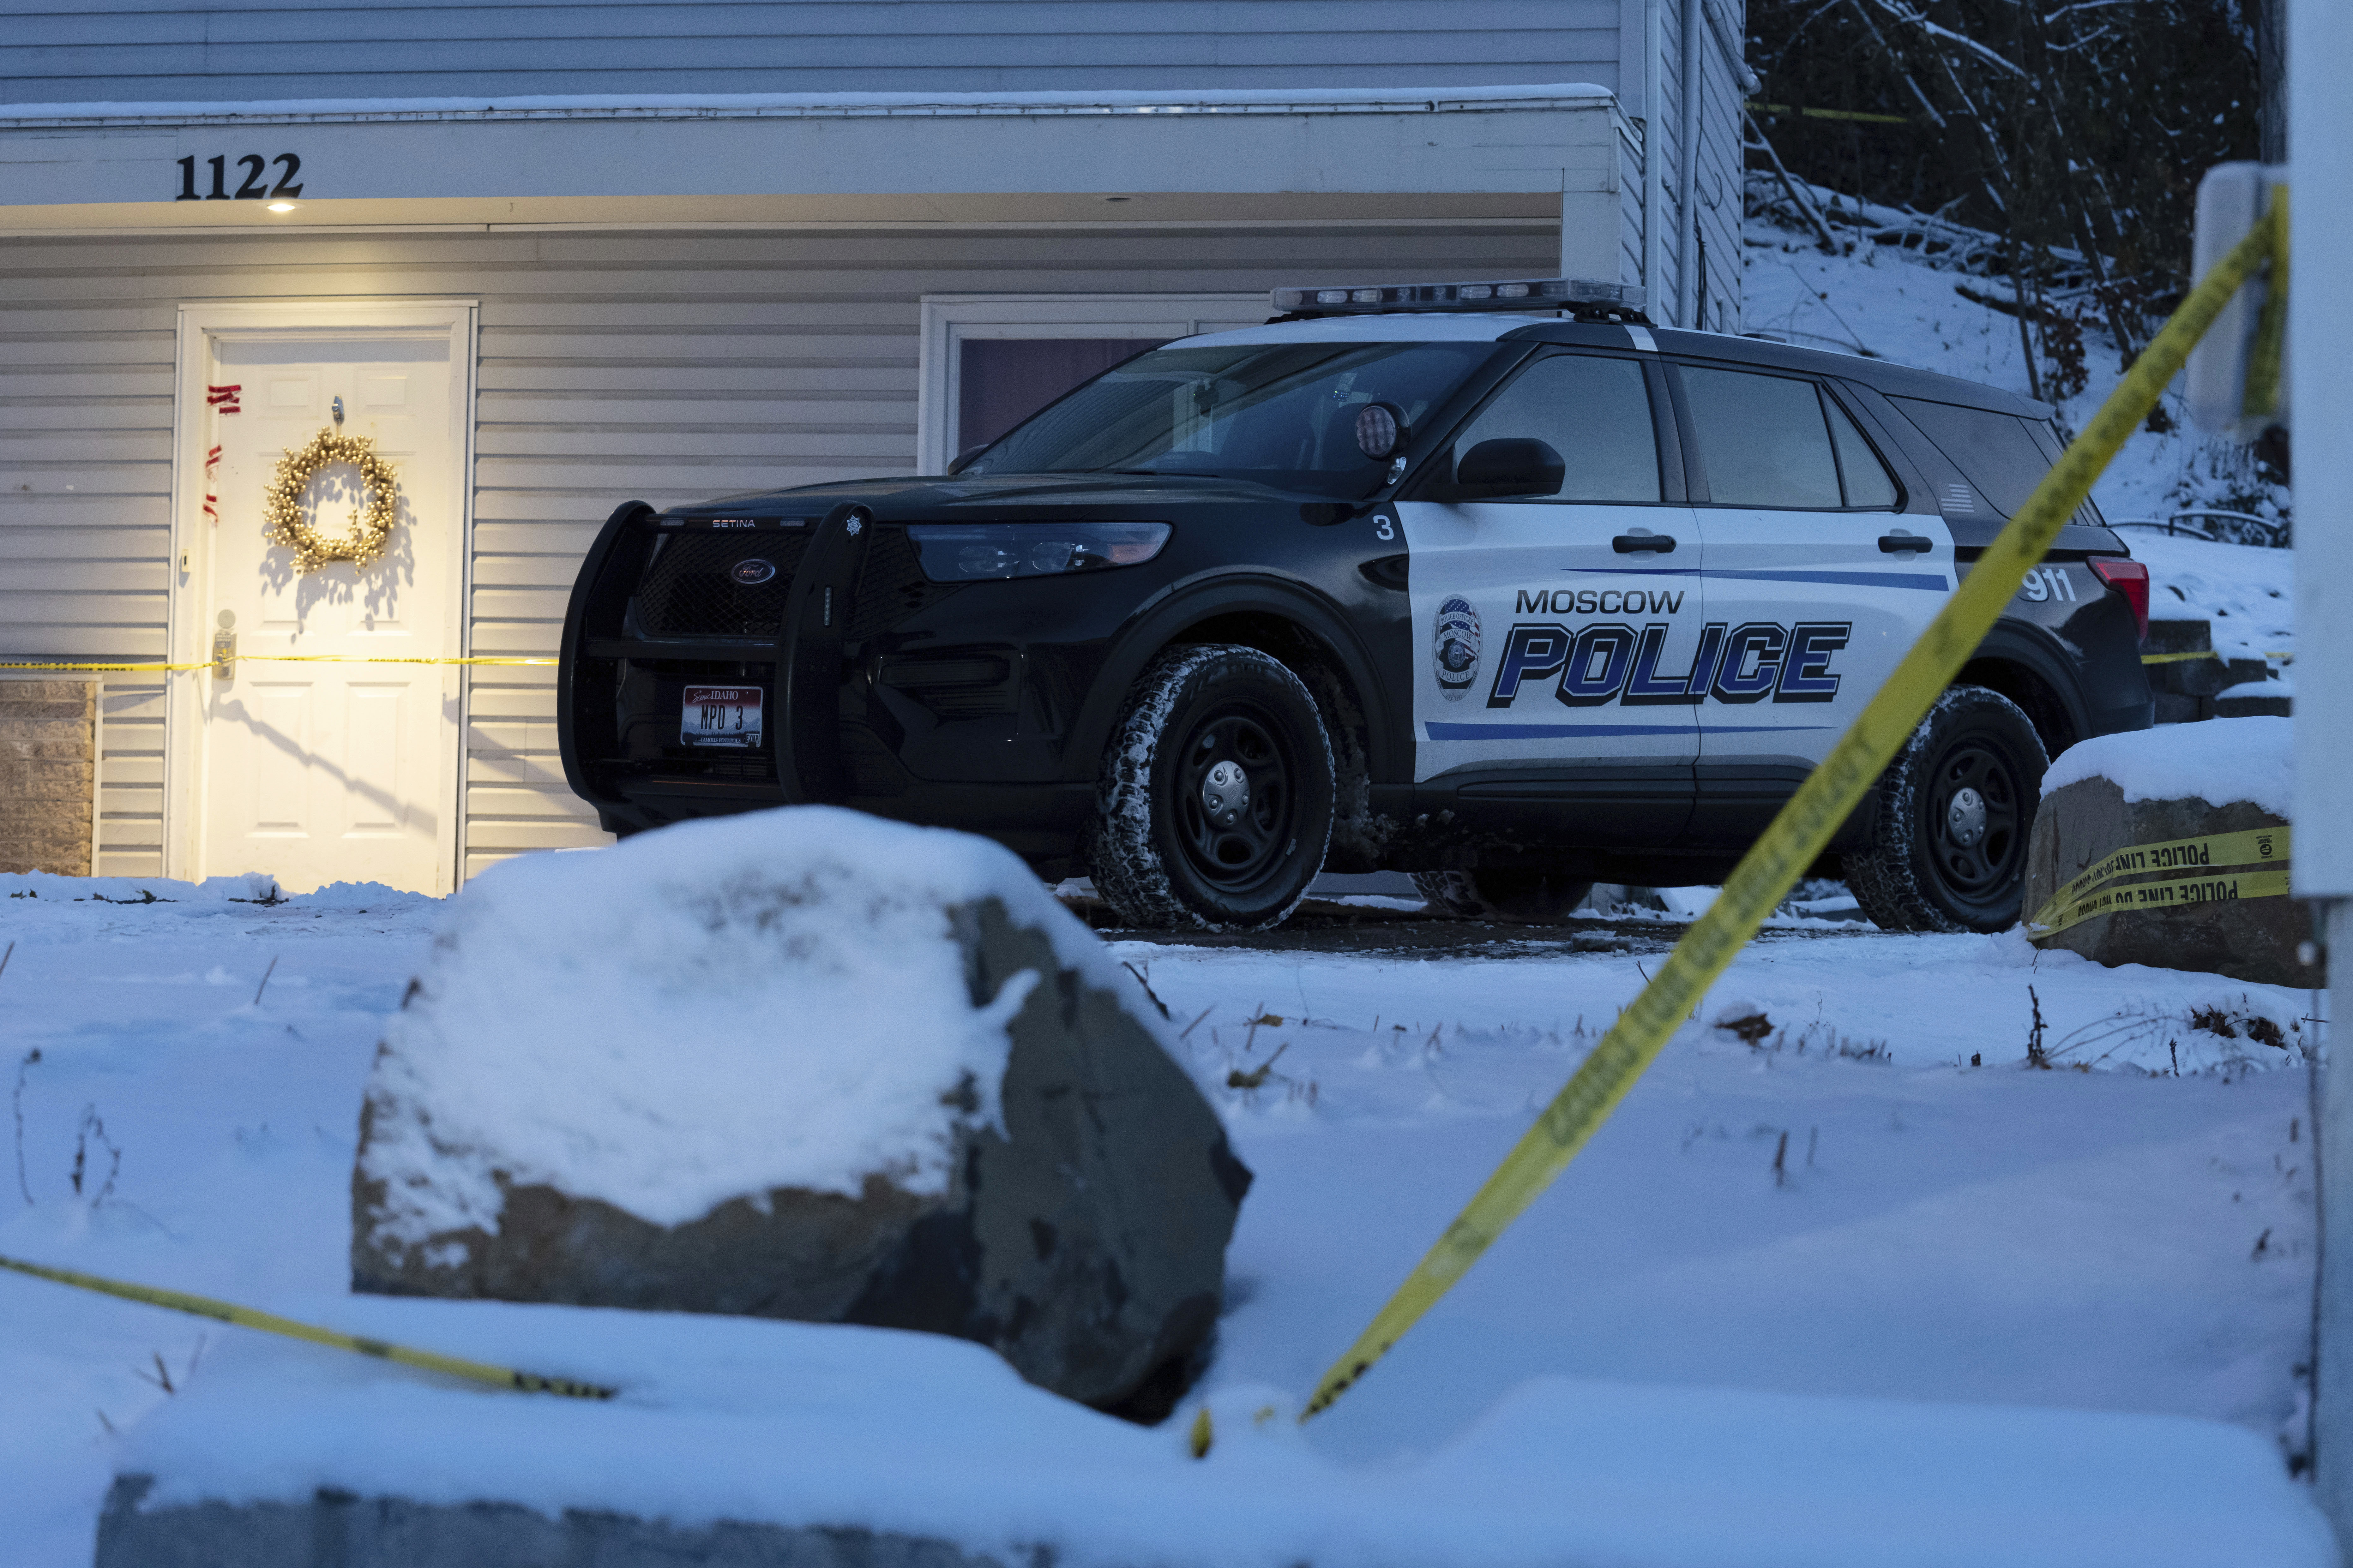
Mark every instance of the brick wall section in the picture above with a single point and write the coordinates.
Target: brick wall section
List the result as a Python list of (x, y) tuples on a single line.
[(49, 766)]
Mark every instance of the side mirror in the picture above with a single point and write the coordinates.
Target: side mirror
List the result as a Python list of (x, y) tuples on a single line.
[(1516, 465), (966, 456)]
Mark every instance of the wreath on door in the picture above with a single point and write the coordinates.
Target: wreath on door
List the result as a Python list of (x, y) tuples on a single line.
[(281, 504)]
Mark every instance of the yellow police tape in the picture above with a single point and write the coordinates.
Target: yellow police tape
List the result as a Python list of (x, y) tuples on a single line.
[(269, 1323), (1797, 837), (2181, 892), (2282, 656), (2203, 870), (2250, 847), (266, 658)]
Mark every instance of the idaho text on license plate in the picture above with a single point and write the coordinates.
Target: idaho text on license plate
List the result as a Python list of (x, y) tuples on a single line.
[(721, 716)]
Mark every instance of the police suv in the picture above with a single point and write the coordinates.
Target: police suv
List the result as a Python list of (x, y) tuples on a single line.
[(1495, 583)]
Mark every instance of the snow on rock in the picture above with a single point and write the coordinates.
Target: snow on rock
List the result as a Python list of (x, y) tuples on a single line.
[(790, 1431), (803, 1064), (2219, 762), (630, 1024)]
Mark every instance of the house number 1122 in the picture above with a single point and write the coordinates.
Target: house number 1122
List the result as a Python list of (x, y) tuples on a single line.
[(253, 189)]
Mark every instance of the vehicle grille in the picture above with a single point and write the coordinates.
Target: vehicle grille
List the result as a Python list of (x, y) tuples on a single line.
[(891, 586), (687, 590)]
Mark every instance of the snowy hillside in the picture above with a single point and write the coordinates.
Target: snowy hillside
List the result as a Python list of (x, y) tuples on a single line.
[(1888, 302)]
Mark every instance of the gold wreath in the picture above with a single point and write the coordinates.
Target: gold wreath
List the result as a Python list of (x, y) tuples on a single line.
[(281, 504)]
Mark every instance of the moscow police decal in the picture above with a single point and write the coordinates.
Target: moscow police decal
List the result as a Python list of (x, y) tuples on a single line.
[(1454, 649)]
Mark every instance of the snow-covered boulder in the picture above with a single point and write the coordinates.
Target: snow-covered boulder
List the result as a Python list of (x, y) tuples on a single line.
[(800, 1064), (2209, 804)]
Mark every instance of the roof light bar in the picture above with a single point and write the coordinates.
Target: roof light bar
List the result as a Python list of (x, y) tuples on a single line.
[(1531, 294)]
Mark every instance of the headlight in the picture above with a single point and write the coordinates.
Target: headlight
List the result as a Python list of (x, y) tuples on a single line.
[(966, 552)]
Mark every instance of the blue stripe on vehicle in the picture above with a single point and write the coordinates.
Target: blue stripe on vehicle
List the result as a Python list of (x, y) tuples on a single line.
[(1547, 731), (1936, 584), (1759, 728), (1848, 579)]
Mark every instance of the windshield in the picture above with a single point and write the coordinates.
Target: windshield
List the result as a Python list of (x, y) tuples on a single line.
[(1281, 414)]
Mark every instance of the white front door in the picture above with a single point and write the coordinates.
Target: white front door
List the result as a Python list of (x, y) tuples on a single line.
[(329, 771)]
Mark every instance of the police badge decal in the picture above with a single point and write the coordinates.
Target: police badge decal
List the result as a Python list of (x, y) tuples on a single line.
[(1454, 649)]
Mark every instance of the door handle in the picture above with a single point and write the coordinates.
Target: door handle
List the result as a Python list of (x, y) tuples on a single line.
[(1905, 544), (1643, 544)]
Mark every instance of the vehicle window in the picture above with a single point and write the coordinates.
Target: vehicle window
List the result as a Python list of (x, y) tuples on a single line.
[(1997, 453), (1282, 413), (1867, 482), (1595, 412), (2048, 441), (1763, 440)]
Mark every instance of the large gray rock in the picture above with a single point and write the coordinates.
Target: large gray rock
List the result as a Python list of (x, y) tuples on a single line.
[(2081, 823), (336, 1530), (1080, 1230)]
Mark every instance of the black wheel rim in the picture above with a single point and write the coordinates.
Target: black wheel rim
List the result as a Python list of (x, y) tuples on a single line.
[(1234, 848), (1975, 835)]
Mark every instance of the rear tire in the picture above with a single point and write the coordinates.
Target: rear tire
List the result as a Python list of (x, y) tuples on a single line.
[(1947, 849), (1215, 798), (1516, 896)]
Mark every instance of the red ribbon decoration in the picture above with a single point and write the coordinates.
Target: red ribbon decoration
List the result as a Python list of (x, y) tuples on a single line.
[(212, 462), (224, 397)]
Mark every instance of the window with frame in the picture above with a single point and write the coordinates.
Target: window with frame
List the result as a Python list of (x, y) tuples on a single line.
[(1781, 442), (988, 362), (1595, 411)]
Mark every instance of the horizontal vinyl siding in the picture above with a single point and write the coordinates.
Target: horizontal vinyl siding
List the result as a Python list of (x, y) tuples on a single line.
[(1720, 157), (1629, 203), (161, 50), (612, 368), (1672, 128), (130, 776)]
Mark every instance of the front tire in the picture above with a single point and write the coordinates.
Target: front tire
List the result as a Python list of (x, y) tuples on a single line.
[(1215, 798), (1947, 850), (1516, 895)]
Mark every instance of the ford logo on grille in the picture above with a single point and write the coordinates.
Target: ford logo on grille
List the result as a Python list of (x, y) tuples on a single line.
[(750, 572)]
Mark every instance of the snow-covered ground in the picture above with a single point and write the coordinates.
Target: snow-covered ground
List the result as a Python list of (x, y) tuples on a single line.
[(1870, 1196)]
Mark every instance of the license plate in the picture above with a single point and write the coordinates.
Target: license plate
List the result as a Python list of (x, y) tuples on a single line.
[(720, 716)]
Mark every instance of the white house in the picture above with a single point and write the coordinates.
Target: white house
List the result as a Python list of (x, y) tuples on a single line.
[(554, 256)]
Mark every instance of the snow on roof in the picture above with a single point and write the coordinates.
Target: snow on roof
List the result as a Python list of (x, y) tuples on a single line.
[(2218, 760), (709, 1011), (823, 105)]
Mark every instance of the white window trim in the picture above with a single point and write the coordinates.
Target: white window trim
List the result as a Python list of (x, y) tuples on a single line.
[(951, 319)]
